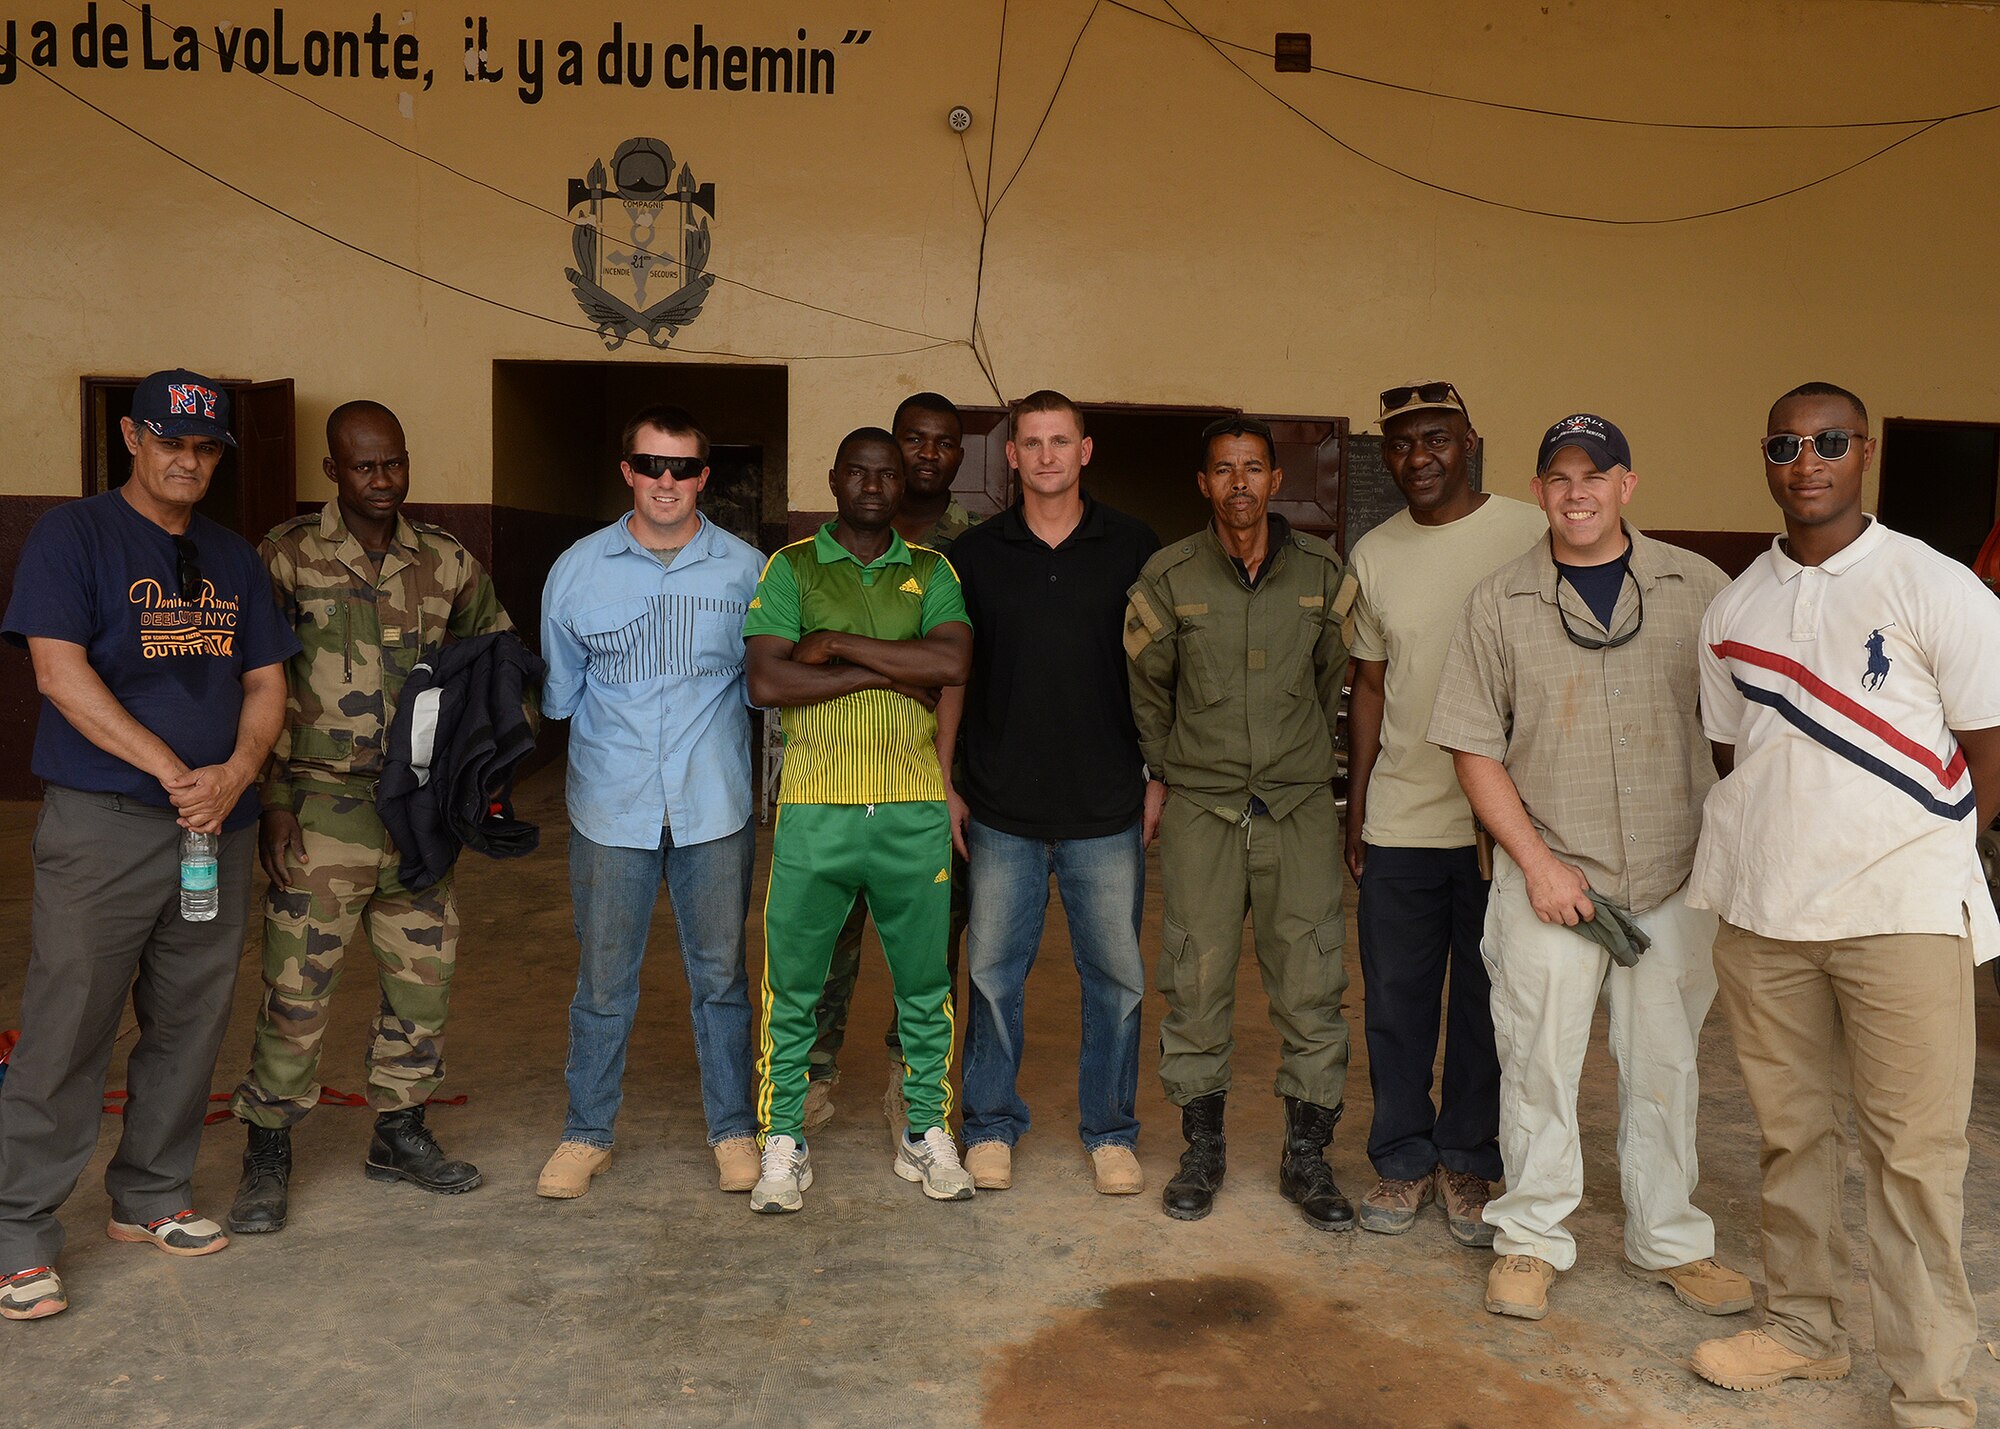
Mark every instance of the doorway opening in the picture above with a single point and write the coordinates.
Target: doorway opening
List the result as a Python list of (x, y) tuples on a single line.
[(254, 484), (556, 427), (1940, 482), (1143, 461)]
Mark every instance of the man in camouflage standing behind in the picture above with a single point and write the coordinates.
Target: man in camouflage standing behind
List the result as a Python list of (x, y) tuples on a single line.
[(369, 592)]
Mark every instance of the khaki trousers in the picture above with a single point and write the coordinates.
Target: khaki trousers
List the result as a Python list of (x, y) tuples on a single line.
[(1547, 981), (1285, 874), (1891, 1018)]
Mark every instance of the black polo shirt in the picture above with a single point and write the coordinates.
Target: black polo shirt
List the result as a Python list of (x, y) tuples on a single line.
[(1050, 748)]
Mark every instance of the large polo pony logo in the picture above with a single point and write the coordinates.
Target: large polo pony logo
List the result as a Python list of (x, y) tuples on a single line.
[(663, 273)]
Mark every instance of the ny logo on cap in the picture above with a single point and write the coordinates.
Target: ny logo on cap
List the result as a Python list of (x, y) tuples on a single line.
[(184, 399)]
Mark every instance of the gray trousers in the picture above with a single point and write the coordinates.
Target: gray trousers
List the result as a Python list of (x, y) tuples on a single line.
[(107, 920)]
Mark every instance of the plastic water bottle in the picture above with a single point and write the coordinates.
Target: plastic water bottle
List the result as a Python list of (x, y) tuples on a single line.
[(200, 894)]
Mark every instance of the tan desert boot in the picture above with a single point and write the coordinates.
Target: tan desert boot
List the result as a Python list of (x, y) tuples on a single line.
[(1753, 1360), (991, 1164), (1518, 1285), (1704, 1285), (736, 1163), (568, 1172), (1116, 1171)]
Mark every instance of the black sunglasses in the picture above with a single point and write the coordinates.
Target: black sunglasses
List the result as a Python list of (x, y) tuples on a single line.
[(1783, 448), (1396, 397), (187, 568), (1591, 642), (684, 468)]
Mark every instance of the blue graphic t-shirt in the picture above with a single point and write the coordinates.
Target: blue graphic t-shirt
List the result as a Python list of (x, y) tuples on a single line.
[(98, 574)]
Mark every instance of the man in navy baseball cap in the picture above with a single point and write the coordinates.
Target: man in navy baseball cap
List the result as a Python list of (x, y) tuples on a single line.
[(1596, 438), (179, 403)]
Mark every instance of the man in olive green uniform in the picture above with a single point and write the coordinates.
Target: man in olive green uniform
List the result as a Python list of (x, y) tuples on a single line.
[(369, 592), (1236, 669), (928, 429)]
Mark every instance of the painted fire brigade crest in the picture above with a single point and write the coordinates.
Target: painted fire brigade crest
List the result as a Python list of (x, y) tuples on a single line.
[(633, 273)]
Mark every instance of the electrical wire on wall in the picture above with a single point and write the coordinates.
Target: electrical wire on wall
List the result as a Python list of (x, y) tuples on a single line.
[(438, 282), (987, 202), (1187, 27), (1365, 157), (563, 218)]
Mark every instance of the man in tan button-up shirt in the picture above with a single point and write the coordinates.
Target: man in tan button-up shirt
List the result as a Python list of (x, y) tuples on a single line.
[(1569, 705)]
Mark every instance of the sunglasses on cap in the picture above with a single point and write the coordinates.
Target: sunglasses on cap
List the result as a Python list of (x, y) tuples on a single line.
[(187, 568), (1429, 393), (1783, 448), (651, 466)]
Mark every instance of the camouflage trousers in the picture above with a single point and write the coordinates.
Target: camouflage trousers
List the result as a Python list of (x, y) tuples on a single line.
[(348, 881)]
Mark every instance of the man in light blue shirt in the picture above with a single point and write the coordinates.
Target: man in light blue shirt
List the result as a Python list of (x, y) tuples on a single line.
[(642, 630)]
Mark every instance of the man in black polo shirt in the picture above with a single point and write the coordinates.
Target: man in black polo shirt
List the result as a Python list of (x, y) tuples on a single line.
[(1053, 783)]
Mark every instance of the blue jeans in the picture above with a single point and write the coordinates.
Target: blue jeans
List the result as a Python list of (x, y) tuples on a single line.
[(1103, 886), (613, 891)]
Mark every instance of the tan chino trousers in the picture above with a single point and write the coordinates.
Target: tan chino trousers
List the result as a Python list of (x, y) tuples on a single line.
[(1891, 1018)]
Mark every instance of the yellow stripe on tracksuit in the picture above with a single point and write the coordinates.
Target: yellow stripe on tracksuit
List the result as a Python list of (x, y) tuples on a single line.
[(822, 857)]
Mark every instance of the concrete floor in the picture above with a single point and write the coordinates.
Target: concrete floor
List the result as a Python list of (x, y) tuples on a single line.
[(657, 1300)]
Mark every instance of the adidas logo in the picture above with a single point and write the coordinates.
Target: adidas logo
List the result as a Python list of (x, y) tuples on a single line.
[(944, 876), (911, 586)]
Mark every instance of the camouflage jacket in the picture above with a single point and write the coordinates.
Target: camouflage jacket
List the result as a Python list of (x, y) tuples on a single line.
[(364, 628), (955, 522)]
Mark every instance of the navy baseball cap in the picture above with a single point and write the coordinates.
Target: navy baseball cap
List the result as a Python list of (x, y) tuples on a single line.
[(179, 403), (1596, 438)]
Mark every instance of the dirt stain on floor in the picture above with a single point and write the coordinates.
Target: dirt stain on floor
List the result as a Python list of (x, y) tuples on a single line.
[(1236, 1350)]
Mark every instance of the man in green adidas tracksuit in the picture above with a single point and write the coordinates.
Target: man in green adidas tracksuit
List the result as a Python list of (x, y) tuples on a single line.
[(853, 634)]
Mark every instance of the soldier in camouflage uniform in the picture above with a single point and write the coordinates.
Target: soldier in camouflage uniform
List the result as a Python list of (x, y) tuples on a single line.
[(368, 592)]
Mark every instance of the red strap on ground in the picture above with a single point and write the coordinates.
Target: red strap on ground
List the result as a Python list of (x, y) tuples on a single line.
[(114, 1102)]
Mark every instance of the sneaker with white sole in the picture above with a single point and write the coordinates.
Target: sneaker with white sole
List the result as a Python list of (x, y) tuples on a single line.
[(182, 1233), (934, 1162), (787, 1173), (32, 1294)]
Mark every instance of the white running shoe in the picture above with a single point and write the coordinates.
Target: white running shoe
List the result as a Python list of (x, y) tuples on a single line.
[(934, 1162), (786, 1173)]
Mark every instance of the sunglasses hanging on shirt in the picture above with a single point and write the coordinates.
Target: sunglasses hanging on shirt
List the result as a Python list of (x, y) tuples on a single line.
[(1591, 642), (187, 568)]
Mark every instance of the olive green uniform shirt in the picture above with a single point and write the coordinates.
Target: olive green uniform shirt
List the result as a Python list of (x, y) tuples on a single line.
[(364, 625), (1235, 689)]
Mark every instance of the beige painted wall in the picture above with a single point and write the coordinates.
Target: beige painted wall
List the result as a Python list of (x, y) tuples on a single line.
[(1177, 237)]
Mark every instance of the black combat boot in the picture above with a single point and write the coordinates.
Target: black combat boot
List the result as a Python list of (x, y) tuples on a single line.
[(1191, 1194), (263, 1196), (405, 1150), (1304, 1178)]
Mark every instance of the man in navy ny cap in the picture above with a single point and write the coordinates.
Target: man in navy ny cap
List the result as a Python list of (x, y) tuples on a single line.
[(159, 653), (1568, 702)]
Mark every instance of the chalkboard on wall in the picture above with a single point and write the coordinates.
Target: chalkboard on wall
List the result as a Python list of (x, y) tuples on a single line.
[(1372, 497)]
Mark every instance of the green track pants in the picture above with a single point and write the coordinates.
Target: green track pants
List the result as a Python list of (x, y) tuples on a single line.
[(822, 857)]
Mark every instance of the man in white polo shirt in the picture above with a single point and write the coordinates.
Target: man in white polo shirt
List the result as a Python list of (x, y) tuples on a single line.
[(1851, 690)]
